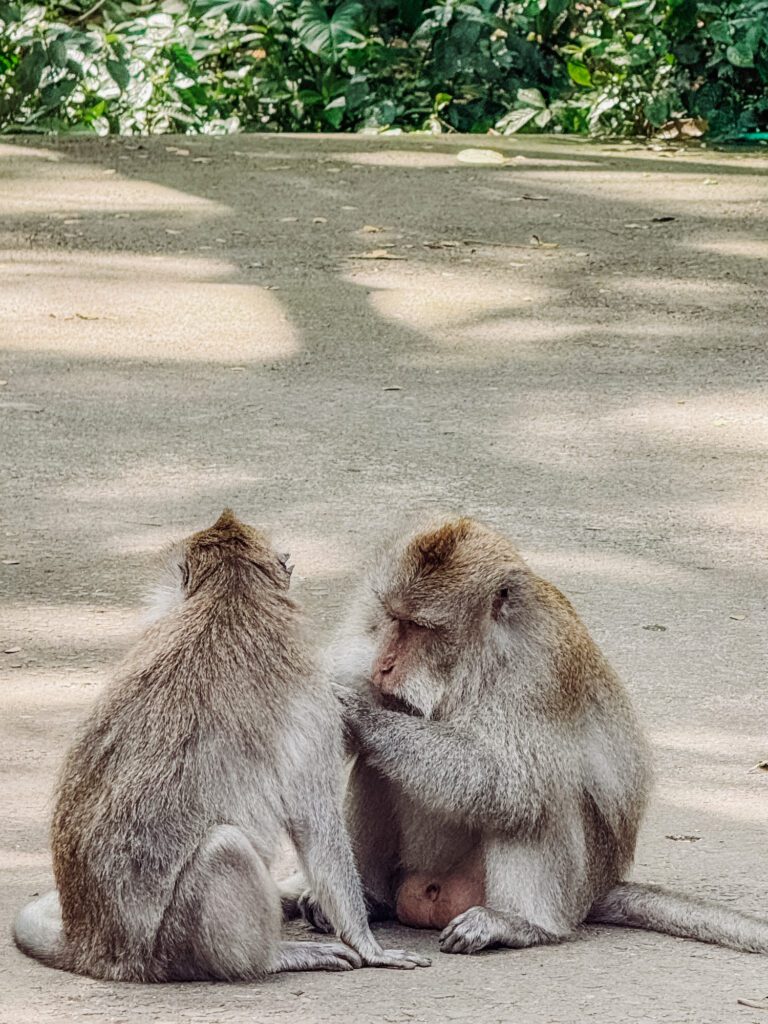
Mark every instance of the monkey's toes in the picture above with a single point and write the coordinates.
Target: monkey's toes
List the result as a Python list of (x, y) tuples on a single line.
[(335, 956), (399, 959), (313, 913), (468, 933)]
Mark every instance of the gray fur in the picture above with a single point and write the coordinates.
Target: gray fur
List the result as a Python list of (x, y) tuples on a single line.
[(216, 737), (523, 745)]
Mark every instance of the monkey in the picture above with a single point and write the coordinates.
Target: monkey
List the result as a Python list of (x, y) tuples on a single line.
[(501, 774), (216, 736)]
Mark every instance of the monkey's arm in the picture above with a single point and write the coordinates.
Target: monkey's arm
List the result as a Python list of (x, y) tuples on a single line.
[(449, 768)]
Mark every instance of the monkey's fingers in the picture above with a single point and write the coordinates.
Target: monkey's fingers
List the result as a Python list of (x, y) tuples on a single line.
[(399, 959)]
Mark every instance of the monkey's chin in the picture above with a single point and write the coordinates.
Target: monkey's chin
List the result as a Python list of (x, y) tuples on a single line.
[(391, 703)]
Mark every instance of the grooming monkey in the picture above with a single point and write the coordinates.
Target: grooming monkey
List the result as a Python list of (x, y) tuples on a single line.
[(216, 735), (502, 776)]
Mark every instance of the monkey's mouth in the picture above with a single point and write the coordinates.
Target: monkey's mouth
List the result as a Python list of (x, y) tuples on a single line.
[(391, 703)]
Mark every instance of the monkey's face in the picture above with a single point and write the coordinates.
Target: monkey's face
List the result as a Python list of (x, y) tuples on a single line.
[(447, 599), (403, 674)]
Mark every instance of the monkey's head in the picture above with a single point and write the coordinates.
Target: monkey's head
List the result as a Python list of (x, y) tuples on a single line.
[(230, 543), (443, 597), (231, 552)]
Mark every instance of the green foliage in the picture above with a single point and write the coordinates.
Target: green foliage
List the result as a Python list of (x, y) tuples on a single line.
[(610, 66)]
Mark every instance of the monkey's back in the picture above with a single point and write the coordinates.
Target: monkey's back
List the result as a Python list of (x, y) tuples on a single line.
[(185, 739)]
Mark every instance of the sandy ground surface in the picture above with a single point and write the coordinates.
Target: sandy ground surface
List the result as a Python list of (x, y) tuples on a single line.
[(571, 344)]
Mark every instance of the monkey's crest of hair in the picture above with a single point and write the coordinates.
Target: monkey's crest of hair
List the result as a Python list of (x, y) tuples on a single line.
[(227, 544)]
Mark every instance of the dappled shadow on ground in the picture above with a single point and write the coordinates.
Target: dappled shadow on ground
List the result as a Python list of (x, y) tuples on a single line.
[(190, 323), (571, 345)]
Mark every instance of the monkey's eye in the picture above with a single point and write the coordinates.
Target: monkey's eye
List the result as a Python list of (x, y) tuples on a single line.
[(504, 593)]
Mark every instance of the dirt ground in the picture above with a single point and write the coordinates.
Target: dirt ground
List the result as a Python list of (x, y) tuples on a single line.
[(571, 344)]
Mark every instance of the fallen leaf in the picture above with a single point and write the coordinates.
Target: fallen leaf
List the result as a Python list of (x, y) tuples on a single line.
[(172, 231), (375, 254), (719, 423), (392, 387), (371, 229), (288, 220), (176, 150), (655, 627), (761, 766), (632, 225), (319, 220), (709, 181), (537, 242), (3, 383), (536, 199), (479, 156), (442, 244), (755, 1004), (10, 561), (737, 618), (684, 839), (662, 220), (11, 650), (201, 160)]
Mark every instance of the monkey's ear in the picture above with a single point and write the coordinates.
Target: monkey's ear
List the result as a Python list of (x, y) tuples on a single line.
[(507, 594)]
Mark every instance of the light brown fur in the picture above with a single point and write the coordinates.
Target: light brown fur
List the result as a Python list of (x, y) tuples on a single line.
[(215, 736), (489, 724)]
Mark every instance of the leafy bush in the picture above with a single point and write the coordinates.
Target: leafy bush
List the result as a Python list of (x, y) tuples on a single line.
[(618, 66)]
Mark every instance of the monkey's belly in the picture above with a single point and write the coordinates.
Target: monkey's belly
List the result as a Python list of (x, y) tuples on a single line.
[(426, 901)]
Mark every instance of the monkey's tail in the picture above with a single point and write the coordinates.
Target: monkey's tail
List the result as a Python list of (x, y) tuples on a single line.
[(635, 905), (38, 930)]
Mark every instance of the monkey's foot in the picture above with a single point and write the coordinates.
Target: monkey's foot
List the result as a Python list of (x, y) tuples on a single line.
[(316, 956), (313, 913), (480, 928), (470, 932), (399, 959)]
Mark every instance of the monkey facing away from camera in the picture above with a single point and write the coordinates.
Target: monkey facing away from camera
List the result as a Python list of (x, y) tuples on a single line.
[(502, 776), (216, 735)]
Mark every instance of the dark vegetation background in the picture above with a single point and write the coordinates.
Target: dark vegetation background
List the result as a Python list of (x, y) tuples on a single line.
[(621, 67)]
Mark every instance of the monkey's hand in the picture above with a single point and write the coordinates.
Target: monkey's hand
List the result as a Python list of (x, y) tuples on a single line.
[(399, 959)]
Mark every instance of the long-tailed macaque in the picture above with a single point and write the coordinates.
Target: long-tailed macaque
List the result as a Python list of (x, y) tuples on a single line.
[(216, 735), (502, 776)]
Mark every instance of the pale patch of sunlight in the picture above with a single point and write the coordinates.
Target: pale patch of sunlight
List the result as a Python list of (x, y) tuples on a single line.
[(86, 191), (747, 514), (30, 691), (108, 267), (747, 248), (158, 484), (722, 801), (608, 565), (399, 158), (678, 292), (69, 625), (8, 152), (460, 308), (428, 158), (706, 742), (724, 422), (140, 312), (15, 859), (318, 555)]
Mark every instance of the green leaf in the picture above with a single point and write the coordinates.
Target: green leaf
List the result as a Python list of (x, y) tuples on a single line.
[(531, 98), (328, 36), (515, 120), (119, 74), (720, 31), (30, 70), (740, 55), (242, 12), (58, 52), (183, 59), (579, 73)]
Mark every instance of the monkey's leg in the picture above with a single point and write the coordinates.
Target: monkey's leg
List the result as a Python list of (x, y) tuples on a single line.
[(523, 893), (373, 820), (224, 922)]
